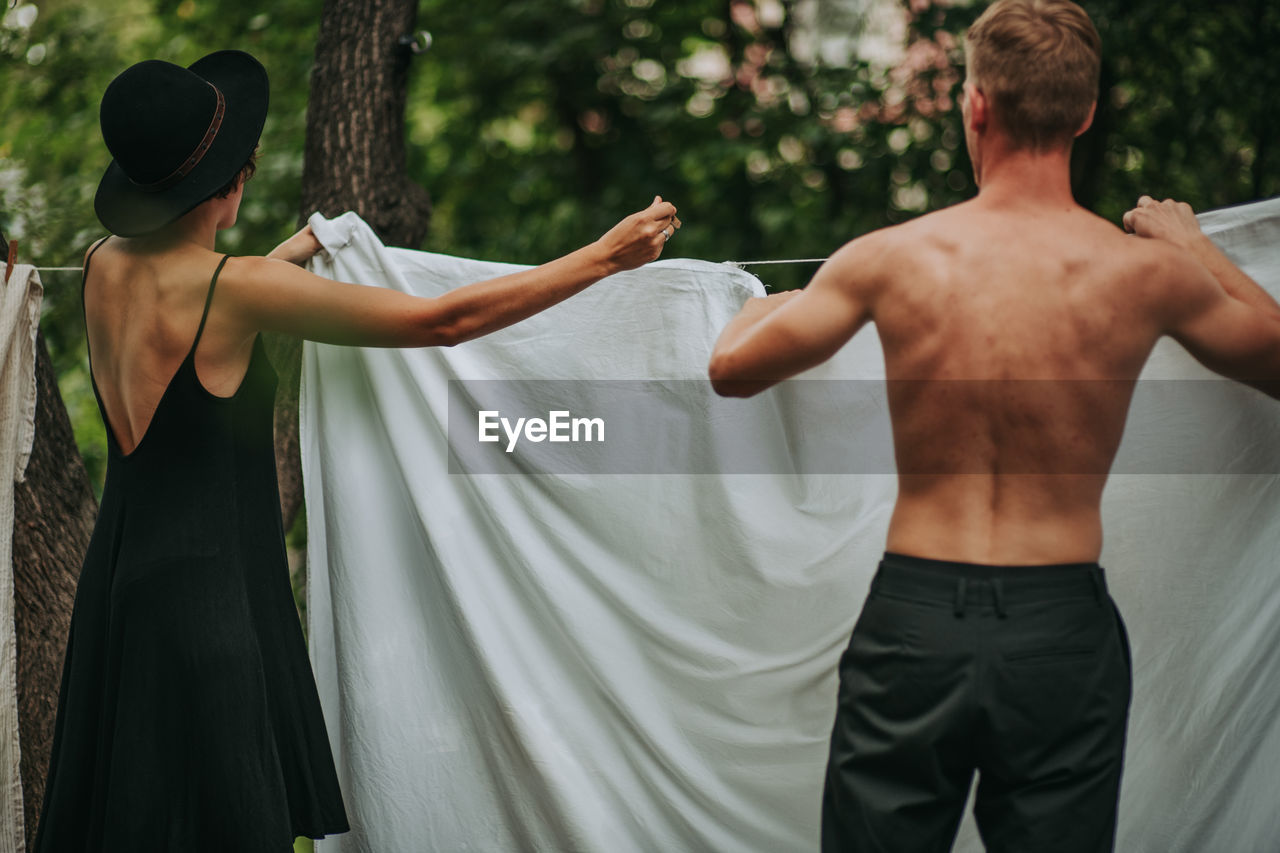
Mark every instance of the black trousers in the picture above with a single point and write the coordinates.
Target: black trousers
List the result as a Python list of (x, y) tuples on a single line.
[(1020, 673)]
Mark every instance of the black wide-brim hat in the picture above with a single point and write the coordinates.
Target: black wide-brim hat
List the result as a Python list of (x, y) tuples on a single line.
[(178, 135)]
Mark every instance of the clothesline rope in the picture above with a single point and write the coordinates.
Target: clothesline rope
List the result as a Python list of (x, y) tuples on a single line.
[(741, 264), (738, 264)]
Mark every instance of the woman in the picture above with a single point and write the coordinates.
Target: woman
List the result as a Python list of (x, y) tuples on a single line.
[(188, 718)]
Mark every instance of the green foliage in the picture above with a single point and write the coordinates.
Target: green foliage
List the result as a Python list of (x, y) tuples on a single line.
[(534, 124), (538, 124), (1184, 109)]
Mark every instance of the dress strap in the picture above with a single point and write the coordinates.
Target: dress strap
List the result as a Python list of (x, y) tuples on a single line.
[(84, 314), (84, 276), (208, 300)]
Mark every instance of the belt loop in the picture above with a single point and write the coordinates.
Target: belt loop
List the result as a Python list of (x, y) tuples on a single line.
[(1096, 577), (961, 588), (997, 588)]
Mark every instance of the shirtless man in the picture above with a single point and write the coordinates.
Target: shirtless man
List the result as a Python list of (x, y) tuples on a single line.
[(988, 641)]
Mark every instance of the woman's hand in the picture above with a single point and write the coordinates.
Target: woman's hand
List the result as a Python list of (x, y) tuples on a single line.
[(298, 249), (639, 238)]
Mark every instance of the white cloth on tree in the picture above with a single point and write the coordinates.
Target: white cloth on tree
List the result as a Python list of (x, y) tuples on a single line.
[(556, 659), (19, 321)]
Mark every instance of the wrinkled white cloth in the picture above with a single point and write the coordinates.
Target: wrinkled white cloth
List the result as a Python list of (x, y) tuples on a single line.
[(19, 321), (559, 660)]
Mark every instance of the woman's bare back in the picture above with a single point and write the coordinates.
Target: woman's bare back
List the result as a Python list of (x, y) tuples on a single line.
[(142, 311)]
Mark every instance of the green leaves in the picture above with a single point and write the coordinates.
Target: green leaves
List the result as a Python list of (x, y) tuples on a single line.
[(536, 125)]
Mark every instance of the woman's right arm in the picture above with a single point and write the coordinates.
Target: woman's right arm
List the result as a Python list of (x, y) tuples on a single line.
[(275, 295)]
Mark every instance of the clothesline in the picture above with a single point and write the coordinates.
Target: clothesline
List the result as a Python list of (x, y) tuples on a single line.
[(741, 264), (738, 264)]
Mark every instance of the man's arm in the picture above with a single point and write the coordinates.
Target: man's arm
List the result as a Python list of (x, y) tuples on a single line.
[(778, 336), (1222, 316), (1175, 222)]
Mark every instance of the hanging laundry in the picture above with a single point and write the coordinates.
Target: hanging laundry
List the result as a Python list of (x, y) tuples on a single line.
[(583, 646), (20, 297)]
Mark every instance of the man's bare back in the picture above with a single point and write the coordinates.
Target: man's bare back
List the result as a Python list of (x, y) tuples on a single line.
[(1014, 327), (1012, 339)]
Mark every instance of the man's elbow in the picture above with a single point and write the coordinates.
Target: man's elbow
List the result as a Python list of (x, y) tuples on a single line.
[(728, 382), (1270, 385), (731, 388), (1266, 377), (719, 373)]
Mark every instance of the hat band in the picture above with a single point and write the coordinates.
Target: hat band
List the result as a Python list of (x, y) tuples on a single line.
[(196, 156)]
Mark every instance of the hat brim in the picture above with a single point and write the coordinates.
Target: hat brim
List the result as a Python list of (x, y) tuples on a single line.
[(128, 211)]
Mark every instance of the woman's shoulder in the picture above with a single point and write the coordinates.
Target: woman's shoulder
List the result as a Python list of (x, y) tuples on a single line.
[(169, 282), (131, 253), (93, 247)]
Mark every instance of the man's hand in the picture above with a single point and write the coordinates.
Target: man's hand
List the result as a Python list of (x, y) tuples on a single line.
[(1232, 328), (1175, 223), (1169, 220), (298, 249)]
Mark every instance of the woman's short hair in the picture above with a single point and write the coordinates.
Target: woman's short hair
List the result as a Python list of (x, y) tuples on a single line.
[(245, 173), (1037, 62)]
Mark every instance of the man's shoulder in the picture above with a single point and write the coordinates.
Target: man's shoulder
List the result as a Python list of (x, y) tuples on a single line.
[(929, 226), (900, 241), (1157, 261)]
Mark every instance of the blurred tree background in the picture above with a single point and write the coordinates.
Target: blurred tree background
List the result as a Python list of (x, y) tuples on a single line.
[(780, 129)]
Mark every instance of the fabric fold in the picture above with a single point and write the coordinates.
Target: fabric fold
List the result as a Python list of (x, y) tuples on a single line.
[(20, 299), (536, 655)]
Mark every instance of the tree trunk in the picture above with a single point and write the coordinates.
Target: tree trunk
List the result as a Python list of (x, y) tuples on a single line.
[(54, 511), (354, 160)]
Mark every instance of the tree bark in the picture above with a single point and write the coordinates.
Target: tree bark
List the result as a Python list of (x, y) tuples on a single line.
[(354, 159), (54, 513)]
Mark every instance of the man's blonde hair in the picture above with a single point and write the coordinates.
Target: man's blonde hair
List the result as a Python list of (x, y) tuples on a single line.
[(1037, 62)]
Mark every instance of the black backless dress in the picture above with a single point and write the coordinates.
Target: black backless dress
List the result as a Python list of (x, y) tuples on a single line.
[(188, 718)]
